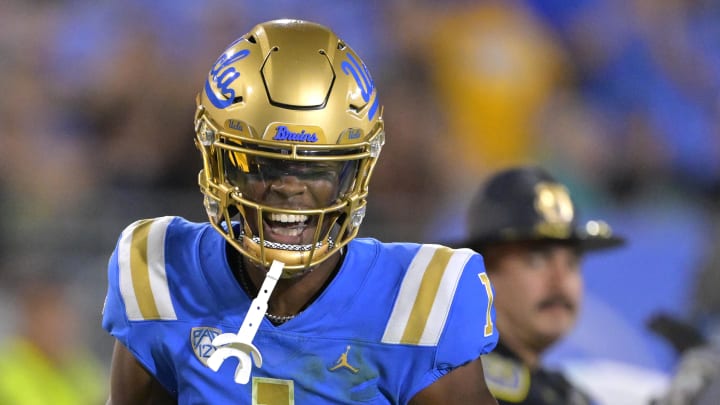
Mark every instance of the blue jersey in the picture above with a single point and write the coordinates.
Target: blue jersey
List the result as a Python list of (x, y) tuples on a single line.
[(395, 318)]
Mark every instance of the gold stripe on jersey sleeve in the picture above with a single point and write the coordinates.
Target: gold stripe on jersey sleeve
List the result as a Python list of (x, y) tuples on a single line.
[(140, 273), (426, 296)]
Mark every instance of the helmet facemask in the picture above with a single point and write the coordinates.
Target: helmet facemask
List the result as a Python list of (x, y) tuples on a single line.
[(298, 204)]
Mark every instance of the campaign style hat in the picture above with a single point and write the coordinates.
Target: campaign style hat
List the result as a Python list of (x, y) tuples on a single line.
[(526, 204)]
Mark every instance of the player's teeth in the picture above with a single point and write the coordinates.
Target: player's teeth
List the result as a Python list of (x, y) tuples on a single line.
[(289, 231), (288, 217)]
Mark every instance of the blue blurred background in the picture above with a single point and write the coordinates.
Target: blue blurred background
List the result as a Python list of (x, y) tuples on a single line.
[(619, 99)]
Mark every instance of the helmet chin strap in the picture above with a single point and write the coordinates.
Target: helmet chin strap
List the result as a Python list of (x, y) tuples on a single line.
[(294, 257), (240, 345)]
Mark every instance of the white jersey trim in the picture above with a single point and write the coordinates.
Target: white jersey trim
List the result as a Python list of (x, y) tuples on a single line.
[(142, 274), (410, 322)]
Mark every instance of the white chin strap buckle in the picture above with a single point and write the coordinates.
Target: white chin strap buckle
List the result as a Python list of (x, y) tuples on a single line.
[(240, 345)]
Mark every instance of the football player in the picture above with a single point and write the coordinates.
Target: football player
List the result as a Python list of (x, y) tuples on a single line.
[(274, 300)]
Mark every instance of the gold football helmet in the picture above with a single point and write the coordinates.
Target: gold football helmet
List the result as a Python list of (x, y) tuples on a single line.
[(290, 127)]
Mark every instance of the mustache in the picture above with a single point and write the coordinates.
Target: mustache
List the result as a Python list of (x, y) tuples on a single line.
[(557, 299)]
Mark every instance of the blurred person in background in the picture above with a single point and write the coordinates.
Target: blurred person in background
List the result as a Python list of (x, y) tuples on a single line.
[(697, 377), (46, 359), (289, 127), (696, 338), (494, 66), (525, 225)]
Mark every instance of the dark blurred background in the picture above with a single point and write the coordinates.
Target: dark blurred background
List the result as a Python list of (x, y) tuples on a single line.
[(619, 99)]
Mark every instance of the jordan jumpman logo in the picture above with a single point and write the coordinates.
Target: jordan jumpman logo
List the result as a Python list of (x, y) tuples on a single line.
[(342, 361)]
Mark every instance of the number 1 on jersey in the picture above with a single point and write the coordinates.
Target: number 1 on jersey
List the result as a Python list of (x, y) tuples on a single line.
[(488, 289)]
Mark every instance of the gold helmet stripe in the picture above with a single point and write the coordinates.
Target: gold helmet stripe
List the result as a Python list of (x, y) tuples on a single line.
[(143, 280), (426, 293)]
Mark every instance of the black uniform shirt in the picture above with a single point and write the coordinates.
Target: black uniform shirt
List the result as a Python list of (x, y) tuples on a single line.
[(512, 382)]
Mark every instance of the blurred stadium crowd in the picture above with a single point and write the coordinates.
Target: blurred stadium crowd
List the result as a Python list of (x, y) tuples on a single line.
[(620, 99)]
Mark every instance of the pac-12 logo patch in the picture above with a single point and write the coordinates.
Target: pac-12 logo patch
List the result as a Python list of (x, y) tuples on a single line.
[(201, 340)]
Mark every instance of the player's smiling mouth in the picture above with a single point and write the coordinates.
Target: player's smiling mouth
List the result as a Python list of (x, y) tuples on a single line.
[(287, 228)]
